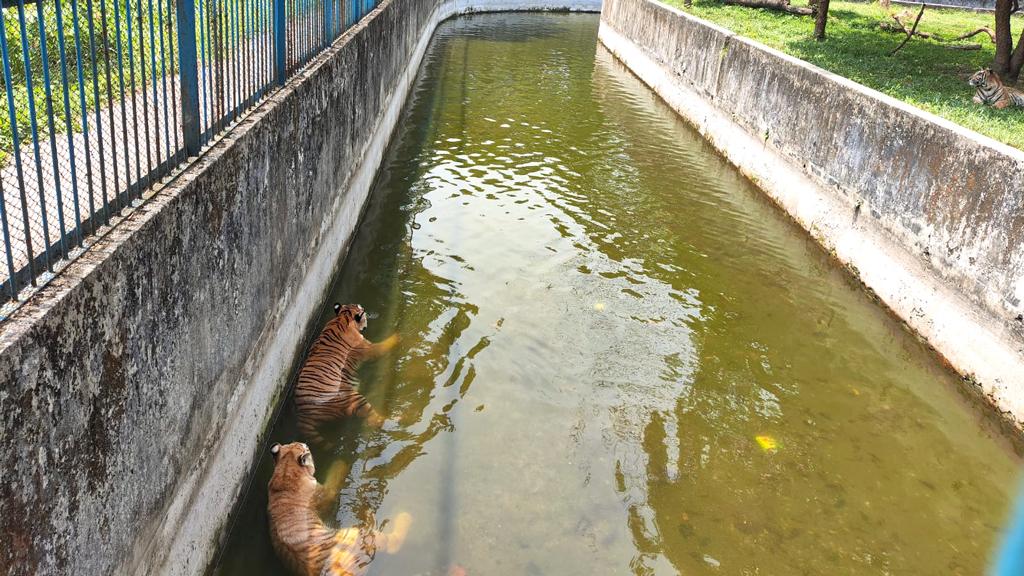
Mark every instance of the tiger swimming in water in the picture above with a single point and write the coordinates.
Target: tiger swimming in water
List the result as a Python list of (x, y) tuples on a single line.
[(326, 389), (992, 91), (300, 539)]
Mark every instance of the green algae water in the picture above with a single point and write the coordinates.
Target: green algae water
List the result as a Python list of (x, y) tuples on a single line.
[(618, 358)]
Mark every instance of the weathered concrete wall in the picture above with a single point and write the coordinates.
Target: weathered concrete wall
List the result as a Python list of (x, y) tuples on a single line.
[(928, 214), (135, 389)]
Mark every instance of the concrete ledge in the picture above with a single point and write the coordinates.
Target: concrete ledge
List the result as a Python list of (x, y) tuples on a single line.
[(929, 215), (136, 388)]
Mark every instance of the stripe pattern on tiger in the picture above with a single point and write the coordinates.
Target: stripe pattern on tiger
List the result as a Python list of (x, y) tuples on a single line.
[(327, 388), (990, 90), (299, 537)]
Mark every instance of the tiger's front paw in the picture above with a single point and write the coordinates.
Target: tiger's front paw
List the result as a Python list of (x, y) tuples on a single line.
[(374, 420), (399, 532), (977, 100), (390, 342), (336, 474)]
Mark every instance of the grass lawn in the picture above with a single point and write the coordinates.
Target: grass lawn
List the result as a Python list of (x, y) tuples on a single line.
[(924, 73)]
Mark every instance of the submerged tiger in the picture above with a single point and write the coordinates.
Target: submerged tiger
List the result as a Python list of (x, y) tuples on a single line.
[(327, 387), (992, 91), (300, 539)]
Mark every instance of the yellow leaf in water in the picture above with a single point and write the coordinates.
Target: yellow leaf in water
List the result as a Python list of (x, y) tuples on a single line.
[(599, 306), (767, 443)]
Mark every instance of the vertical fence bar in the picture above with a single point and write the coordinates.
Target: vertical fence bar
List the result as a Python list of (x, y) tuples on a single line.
[(155, 135), (52, 133), (110, 117), (136, 151), (232, 54), (174, 90), (206, 66), (279, 43), (144, 179), (16, 142), (83, 105), (163, 80), (35, 137), (124, 114), (328, 21), (188, 72), (68, 114), (217, 62), (12, 289)]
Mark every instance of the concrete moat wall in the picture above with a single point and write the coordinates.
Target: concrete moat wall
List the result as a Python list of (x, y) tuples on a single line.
[(929, 215), (135, 389)]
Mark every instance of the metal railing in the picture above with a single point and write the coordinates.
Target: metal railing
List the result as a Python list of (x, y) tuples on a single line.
[(104, 98)]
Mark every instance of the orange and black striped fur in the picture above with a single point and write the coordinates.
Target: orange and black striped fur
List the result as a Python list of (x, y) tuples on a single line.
[(300, 539), (992, 91), (327, 387)]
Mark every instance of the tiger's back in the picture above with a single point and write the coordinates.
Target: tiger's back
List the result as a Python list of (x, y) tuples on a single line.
[(327, 387)]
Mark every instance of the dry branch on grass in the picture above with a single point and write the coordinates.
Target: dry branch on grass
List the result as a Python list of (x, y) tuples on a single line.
[(985, 29), (900, 27), (781, 5), (910, 33)]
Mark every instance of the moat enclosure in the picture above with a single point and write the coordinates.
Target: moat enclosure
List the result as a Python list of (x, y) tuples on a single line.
[(618, 357)]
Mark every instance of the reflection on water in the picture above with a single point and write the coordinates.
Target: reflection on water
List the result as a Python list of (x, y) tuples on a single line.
[(617, 357)]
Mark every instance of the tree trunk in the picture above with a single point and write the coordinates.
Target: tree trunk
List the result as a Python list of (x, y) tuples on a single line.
[(1004, 41), (1016, 60), (820, 20)]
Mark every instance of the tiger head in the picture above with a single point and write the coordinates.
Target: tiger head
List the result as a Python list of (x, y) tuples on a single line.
[(984, 78), (351, 313), (292, 463)]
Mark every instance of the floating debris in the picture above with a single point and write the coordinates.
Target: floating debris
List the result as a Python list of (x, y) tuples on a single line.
[(599, 306), (767, 443)]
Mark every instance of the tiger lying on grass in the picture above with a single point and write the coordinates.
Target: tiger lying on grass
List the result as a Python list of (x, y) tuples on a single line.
[(992, 91), (300, 538), (327, 386)]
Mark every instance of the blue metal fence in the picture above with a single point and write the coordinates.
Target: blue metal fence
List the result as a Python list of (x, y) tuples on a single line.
[(104, 98)]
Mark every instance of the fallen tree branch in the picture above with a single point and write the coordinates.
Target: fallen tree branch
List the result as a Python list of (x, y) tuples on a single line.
[(962, 46), (985, 29), (911, 32), (782, 5), (899, 28)]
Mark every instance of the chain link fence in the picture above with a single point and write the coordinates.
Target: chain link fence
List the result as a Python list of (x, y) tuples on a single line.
[(104, 98)]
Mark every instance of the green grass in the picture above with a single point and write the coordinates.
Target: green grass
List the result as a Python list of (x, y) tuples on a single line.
[(925, 73)]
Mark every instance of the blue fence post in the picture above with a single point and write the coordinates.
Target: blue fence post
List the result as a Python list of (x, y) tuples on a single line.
[(279, 42), (189, 75), (328, 22)]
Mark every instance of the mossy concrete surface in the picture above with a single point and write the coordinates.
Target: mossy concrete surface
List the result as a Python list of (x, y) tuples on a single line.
[(929, 215), (136, 387)]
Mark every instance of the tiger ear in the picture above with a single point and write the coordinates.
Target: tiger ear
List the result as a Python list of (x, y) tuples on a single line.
[(337, 308), (275, 450), (304, 459)]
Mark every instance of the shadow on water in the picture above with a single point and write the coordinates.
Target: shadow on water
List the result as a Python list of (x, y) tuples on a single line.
[(618, 357)]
